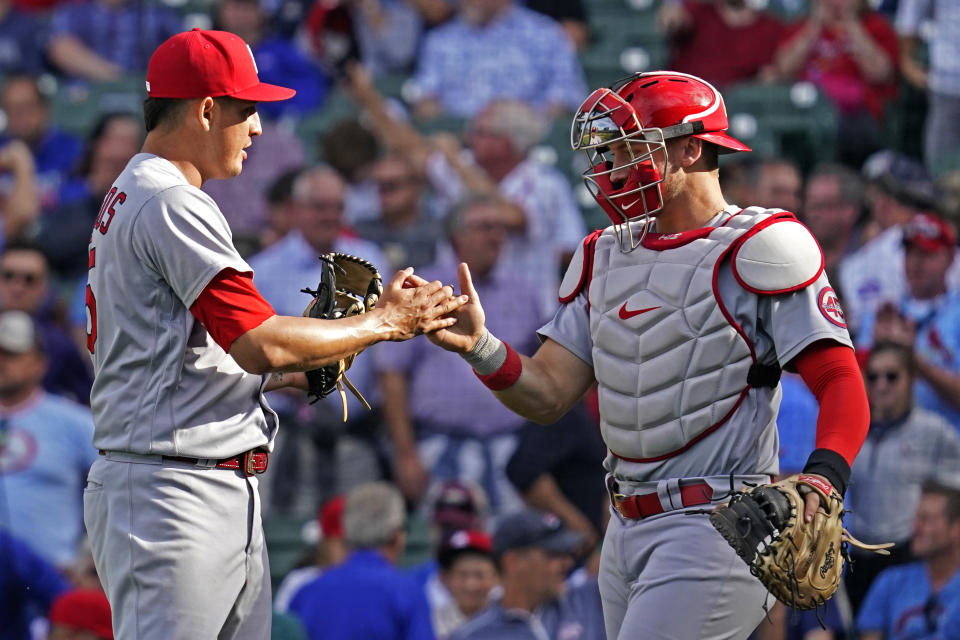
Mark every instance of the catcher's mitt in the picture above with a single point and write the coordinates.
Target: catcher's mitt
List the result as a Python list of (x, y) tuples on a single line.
[(799, 563), (348, 286)]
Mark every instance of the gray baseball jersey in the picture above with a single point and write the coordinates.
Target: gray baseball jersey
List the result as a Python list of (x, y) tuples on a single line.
[(162, 385)]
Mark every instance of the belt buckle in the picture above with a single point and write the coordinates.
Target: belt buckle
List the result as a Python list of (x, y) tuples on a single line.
[(248, 462)]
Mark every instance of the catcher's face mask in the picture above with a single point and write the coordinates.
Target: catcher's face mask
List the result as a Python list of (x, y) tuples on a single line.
[(626, 184)]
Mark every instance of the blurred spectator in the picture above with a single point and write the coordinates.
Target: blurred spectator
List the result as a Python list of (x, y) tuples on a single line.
[(366, 596), (495, 50), (281, 208), (280, 272), (453, 505), (850, 52), (352, 149), (29, 120), (278, 60), (25, 286), (904, 442), (46, 451), (388, 34), (898, 188), (64, 232), (926, 319), (832, 207), (100, 40), (20, 207), (81, 614), (543, 222), (468, 572), (405, 231), (28, 586), (723, 41), (244, 202), (441, 423), (560, 470), (22, 40), (534, 553), (785, 623), (940, 78), (910, 601), (329, 551), (572, 16), (770, 182)]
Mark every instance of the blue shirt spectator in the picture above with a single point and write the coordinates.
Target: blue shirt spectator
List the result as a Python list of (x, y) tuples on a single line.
[(281, 63), (512, 52), (28, 586), (102, 39), (43, 468), (902, 605), (22, 40), (367, 597)]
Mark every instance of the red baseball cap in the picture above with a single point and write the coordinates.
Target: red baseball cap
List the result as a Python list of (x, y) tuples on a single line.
[(929, 233), (85, 609), (331, 517), (198, 63)]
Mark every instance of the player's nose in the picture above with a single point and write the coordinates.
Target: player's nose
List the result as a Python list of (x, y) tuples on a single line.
[(255, 127)]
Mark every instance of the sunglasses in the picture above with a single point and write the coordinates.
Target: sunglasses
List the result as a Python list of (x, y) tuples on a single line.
[(28, 278), (889, 376)]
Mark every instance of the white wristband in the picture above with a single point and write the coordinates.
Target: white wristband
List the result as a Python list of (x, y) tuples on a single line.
[(487, 355)]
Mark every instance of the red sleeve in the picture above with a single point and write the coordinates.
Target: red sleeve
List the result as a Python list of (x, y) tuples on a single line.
[(230, 306), (830, 371)]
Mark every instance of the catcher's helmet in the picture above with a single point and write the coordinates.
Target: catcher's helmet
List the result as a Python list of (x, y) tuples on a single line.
[(644, 111)]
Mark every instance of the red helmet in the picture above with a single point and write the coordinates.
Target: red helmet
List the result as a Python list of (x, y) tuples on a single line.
[(646, 108)]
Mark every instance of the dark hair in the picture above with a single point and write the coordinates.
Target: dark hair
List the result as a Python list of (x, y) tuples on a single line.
[(904, 354), (711, 155), (98, 131), (20, 243), (281, 189), (446, 558), (942, 487), (158, 111), (851, 183), (348, 147)]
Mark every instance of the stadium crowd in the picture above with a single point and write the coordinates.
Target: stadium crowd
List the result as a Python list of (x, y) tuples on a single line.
[(422, 134)]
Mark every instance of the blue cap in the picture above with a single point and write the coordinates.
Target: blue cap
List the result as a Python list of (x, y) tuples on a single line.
[(532, 529)]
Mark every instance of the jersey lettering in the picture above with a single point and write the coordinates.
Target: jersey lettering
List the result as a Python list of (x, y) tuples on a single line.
[(91, 304), (120, 198), (103, 206)]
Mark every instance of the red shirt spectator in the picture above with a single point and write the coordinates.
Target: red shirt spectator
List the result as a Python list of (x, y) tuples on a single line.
[(850, 53), (724, 41)]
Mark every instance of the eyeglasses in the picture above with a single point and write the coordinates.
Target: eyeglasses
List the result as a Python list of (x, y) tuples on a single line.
[(889, 376), (28, 278)]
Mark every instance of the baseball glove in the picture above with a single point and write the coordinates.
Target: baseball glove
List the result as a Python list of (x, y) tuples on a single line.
[(799, 563), (348, 286)]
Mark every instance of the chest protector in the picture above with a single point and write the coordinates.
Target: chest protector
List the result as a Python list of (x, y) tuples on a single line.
[(671, 362)]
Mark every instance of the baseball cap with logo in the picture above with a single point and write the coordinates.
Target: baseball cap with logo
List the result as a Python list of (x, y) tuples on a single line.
[(929, 233), (531, 529), (461, 542), (458, 505), (198, 63), (17, 332)]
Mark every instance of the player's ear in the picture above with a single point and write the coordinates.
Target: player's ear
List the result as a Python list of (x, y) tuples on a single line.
[(204, 112), (690, 151)]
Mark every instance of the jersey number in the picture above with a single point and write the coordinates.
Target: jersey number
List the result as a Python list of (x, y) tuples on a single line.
[(101, 224), (91, 305)]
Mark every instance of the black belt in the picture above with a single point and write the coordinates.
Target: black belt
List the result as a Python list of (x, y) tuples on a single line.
[(250, 462)]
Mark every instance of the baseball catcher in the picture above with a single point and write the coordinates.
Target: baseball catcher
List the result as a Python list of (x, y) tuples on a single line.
[(799, 562), (348, 286)]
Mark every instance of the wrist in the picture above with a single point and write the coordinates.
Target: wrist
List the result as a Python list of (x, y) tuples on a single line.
[(487, 354)]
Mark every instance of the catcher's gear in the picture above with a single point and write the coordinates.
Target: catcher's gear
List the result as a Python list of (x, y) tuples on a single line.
[(348, 286), (644, 110), (800, 563)]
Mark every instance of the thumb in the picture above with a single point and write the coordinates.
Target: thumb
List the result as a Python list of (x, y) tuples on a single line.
[(466, 282), (812, 500)]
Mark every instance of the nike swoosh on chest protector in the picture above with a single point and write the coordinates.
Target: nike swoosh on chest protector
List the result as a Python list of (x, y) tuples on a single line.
[(626, 315)]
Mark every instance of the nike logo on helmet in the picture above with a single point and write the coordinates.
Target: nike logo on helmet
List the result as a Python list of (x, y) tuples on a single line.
[(626, 315)]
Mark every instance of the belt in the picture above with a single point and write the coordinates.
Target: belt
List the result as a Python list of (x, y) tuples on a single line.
[(646, 505), (249, 462)]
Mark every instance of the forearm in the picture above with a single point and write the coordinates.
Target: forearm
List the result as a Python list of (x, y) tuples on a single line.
[(72, 57), (290, 343), (23, 205), (792, 56), (545, 495), (944, 382), (281, 380), (396, 412), (871, 59)]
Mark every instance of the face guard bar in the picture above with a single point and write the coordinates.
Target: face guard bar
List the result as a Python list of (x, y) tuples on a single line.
[(606, 120)]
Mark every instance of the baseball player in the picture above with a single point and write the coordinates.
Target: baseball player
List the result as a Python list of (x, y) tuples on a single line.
[(183, 348), (683, 312)]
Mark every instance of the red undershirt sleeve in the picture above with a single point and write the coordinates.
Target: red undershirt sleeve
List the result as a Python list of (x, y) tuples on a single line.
[(230, 306), (831, 372)]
